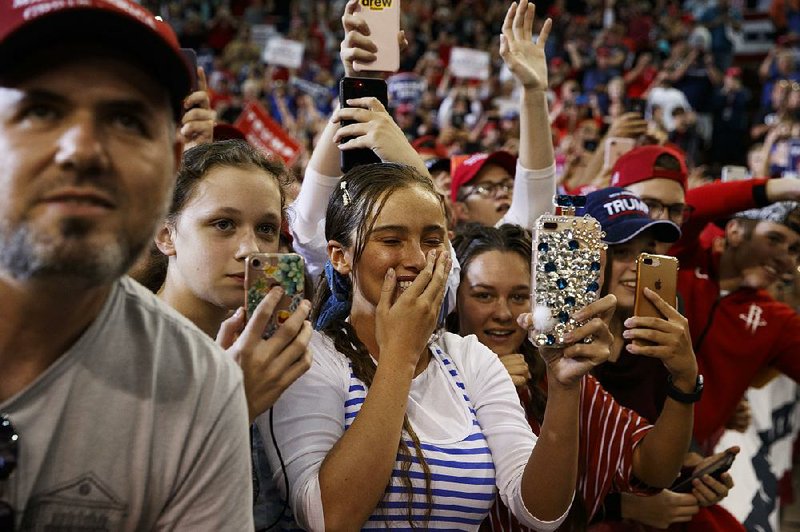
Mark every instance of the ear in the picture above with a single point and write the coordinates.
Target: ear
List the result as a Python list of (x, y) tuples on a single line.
[(460, 211), (734, 233), (339, 257), (165, 239)]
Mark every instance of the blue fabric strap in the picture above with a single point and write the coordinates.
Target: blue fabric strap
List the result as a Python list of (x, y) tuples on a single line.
[(338, 304)]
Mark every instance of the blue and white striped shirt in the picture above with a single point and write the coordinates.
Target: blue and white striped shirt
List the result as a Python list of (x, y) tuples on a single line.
[(465, 411)]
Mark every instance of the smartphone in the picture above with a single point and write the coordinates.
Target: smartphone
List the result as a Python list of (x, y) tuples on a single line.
[(636, 105), (565, 274), (614, 148), (590, 145), (350, 88), (715, 469), (190, 56), (659, 273), (734, 173), (266, 270), (383, 19)]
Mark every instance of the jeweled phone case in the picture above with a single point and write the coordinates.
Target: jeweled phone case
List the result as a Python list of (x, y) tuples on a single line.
[(565, 274), (265, 270)]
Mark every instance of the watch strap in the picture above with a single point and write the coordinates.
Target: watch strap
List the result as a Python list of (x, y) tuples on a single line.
[(684, 397)]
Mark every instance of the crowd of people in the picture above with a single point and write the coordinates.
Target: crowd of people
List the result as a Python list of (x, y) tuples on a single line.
[(408, 390)]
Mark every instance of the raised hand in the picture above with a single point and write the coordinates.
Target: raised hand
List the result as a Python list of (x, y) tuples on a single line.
[(197, 124), (569, 365), (357, 44), (375, 130), (269, 366), (707, 490), (517, 368), (667, 339), (525, 59)]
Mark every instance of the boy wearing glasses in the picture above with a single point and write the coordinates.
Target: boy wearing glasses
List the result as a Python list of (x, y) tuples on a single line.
[(719, 287), (484, 185), (115, 411)]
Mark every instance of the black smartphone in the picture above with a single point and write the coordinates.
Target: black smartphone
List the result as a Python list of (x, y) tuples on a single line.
[(715, 469), (190, 56), (637, 105), (351, 88)]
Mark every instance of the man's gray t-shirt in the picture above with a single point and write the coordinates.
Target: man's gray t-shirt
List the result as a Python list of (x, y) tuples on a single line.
[(140, 425)]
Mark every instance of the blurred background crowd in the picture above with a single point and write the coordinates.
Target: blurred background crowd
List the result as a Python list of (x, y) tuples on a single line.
[(717, 78)]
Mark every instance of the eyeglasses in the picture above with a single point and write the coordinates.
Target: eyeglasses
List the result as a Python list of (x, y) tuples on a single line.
[(489, 190), (9, 453), (676, 212)]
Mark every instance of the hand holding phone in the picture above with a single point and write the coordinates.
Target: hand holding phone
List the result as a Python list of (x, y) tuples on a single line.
[(616, 147), (565, 275), (383, 21), (350, 89), (715, 468)]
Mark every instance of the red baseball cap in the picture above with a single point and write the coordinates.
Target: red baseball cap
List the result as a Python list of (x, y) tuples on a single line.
[(639, 165), (467, 170), (118, 25), (428, 145), (734, 72)]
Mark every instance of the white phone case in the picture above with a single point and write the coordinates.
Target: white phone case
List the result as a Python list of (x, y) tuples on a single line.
[(383, 19)]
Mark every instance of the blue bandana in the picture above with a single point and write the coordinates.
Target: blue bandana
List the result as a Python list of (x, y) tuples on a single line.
[(337, 307)]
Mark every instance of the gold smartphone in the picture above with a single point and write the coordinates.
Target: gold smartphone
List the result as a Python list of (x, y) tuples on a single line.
[(659, 273)]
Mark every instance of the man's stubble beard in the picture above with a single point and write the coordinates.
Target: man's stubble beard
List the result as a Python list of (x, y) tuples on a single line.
[(28, 254)]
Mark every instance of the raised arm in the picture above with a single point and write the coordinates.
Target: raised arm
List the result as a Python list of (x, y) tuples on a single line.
[(323, 170), (534, 183), (661, 454)]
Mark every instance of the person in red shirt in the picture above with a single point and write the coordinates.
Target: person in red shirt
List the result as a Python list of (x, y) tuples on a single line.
[(659, 176), (737, 327)]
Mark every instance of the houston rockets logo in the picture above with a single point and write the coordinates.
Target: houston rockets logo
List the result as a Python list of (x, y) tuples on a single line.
[(753, 318)]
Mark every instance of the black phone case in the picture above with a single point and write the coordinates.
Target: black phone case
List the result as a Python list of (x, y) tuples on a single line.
[(350, 88), (684, 483)]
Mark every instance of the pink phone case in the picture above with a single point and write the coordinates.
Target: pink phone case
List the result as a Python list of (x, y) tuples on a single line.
[(383, 19)]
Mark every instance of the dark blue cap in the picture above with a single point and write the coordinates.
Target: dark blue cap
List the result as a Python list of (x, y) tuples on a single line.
[(623, 216)]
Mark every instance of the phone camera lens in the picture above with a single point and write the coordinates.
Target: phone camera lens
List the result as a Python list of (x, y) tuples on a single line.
[(256, 263), (649, 262)]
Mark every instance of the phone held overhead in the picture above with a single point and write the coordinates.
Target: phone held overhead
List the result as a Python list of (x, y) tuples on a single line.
[(383, 19)]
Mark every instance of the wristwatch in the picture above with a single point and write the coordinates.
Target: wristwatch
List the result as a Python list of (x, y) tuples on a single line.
[(684, 397)]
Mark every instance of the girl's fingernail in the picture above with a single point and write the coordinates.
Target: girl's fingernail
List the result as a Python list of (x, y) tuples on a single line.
[(390, 273), (629, 322), (627, 334)]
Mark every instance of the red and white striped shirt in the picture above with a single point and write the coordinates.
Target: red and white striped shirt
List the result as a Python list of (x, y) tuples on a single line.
[(609, 433)]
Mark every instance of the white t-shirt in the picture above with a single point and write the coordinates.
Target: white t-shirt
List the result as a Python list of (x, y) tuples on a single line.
[(314, 412), (140, 425)]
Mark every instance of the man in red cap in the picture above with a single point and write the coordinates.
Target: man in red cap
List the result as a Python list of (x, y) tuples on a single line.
[(729, 313), (115, 411), (482, 186)]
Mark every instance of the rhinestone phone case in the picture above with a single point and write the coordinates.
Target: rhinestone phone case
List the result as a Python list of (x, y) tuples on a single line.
[(565, 274)]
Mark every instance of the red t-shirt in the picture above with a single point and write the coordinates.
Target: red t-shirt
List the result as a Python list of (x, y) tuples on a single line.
[(735, 337), (609, 433)]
